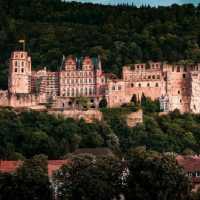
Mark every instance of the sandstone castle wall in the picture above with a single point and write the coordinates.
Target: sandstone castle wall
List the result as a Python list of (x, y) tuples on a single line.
[(176, 86)]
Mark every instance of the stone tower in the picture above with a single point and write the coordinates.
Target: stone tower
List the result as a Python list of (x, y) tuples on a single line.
[(19, 73)]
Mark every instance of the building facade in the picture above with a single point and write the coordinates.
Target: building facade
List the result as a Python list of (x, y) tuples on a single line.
[(81, 79)]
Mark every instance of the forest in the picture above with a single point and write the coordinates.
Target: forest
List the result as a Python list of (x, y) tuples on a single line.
[(57, 137), (119, 34)]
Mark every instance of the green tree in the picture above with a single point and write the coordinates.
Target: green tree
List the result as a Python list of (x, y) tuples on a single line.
[(154, 177), (89, 177)]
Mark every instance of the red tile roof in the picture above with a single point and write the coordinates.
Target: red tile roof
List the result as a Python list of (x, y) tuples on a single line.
[(54, 165), (11, 166), (189, 163)]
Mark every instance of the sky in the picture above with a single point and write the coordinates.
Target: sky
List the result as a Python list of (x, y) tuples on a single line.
[(142, 2)]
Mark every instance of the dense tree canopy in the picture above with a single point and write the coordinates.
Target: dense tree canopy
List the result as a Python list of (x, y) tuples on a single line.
[(119, 34), (55, 136), (89, 177), (145, 175), (153, 176)]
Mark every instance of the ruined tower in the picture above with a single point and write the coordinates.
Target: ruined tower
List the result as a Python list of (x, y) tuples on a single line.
[(19, 73)]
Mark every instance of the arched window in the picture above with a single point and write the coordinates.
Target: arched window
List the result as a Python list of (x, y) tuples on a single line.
[(178, 69), (148, 84), (139, 85), (157, 85)]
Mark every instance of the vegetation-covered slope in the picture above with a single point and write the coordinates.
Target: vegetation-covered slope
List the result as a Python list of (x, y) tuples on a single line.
[(29, 133)]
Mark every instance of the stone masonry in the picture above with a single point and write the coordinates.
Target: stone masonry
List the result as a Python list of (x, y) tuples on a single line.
[(82, 79)]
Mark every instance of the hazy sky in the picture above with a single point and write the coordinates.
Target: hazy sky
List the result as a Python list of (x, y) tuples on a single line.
[(142, 2)]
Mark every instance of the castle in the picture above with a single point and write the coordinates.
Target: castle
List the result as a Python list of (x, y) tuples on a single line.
[(176, 86)]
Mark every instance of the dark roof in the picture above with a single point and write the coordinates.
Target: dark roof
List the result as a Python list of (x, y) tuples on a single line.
[(94, 151)]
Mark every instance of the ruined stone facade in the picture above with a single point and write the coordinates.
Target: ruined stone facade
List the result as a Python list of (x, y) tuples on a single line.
[(176, 86)]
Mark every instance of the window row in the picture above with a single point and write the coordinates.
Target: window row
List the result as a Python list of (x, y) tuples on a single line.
[(179, 69), (116, 87), (74, 92), (19, 63), (149, 77), (78, 81), (148, 85), (18, 70), (75, 74)]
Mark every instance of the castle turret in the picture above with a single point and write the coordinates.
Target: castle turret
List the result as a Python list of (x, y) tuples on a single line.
[(19, 73)]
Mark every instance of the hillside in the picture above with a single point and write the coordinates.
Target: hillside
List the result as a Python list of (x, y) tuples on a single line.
[(119, 34), (56, 137)]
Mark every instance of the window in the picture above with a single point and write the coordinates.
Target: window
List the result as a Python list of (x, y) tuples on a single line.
[(72, 91), (22, 64), (153, 76), (149, 77), (148, 85), (157, 85), (132, 85), (15, 69), (81, 92), (178, 69), (185, 69), (113, 87), (158, 76), (90, 91), (22, 70), (15, 63), (179, 92), (119, 87), (184, 75), (68, 92), (86, 91), (139, 85)]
